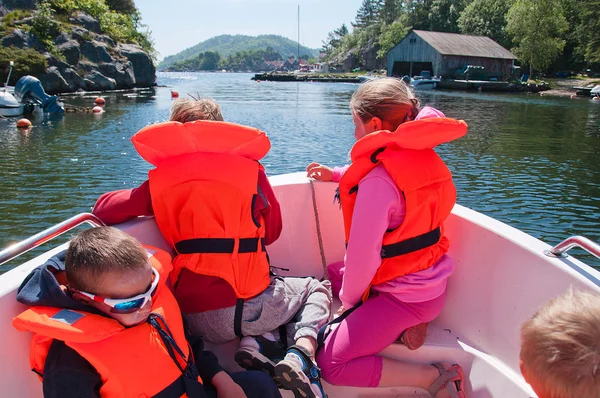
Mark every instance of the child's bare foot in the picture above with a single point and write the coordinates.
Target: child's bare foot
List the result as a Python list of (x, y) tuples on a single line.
[(450, 383)]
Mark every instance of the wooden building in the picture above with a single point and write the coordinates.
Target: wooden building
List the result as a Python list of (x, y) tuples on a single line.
[(444, 53)]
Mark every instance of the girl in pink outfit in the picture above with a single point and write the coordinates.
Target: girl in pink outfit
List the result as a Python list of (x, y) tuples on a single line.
[(395, 197)]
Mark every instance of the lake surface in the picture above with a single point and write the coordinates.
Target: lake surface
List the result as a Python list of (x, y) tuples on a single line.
[(530, 161)]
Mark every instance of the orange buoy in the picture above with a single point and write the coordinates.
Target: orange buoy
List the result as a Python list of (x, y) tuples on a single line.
[(97, 109), (100, 101), (174, 94), (23, 124)]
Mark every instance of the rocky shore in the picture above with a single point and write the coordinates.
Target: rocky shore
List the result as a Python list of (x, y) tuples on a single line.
[(84, 58)]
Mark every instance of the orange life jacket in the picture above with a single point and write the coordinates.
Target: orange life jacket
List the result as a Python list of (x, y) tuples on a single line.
[(203, 192), (132, 362), (424, 180)]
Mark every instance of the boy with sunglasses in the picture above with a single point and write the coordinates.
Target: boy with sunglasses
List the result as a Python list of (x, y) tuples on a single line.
[(106, 325)]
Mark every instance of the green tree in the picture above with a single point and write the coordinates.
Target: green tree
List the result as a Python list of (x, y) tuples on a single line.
[(122, 6), (390, 36), (588, 31), (368, 13), (486, 18), (537, 28), (334, 38), (390, 10), (444, 14)]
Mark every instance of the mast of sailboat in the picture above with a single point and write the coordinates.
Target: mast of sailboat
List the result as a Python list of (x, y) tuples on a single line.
[(298, 36)]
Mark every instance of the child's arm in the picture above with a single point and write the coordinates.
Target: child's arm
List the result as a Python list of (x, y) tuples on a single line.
[(268, 207), (226, 387), (119, 206), (324, 173), (69, 375), (376, 201)]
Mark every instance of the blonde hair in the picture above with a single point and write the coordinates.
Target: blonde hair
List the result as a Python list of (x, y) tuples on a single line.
[(187, 110), (560, 347), (389, 99)]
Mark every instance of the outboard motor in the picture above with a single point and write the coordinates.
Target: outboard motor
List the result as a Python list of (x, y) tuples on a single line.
[(29, 89)]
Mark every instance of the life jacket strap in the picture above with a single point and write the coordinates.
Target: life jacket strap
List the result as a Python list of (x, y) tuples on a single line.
[(412, 245), (219, 245), (238, 317)]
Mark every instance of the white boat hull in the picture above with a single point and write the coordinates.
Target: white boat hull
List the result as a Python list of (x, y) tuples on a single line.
[(501, 278), (13, 111)]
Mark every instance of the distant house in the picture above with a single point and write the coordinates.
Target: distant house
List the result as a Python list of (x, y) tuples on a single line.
[(292, 64), (443, 54), (320, 67)]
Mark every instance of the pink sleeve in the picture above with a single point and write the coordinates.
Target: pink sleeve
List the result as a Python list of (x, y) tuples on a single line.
[(338, 172), (376, 201), (429, 112)]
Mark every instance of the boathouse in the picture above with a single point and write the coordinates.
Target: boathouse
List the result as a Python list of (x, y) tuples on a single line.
[(445, 54)]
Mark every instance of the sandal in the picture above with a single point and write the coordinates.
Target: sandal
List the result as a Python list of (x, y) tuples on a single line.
[(453, 380)]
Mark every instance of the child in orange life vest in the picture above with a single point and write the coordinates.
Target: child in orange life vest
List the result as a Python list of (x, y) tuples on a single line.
[(116, 330), (214, 204), (560, 347), (395, 197)]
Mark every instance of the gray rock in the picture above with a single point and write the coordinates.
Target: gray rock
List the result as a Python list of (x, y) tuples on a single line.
[(17, 38), (97, 81), (350, 61), (71, 51), (53, 82), (86, 66), (105, 39), (62, 38), (35, 43), (73, 80), (87, 21), (143, 67), (369, 56), (121, 72), (96, 51), (80, 34), (53, 61)]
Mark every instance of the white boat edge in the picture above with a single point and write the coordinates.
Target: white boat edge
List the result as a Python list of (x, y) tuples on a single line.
[(502, 276)]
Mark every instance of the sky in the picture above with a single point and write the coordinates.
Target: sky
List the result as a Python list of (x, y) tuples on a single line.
[(179, 24)]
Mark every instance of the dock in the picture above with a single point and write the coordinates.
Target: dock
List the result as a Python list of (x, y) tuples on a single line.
[(304, 77)]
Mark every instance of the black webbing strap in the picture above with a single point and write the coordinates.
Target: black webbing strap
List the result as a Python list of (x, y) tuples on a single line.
[(237, 318), (412, 245), (218, 245), (324, 332), (283, 336)]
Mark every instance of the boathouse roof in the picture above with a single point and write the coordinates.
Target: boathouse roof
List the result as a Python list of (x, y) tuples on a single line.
[(464, 45)]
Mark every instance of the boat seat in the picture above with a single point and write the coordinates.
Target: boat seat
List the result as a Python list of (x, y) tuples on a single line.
[(441, 344)]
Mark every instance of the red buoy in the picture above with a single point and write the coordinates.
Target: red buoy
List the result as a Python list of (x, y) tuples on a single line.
[(100, 101), (258, 81), (174, 94), (23, 124), (97, 109), (572, 96)]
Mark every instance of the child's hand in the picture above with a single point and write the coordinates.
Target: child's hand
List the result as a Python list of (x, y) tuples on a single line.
[(319, 172), (340, 311), (226, 387)]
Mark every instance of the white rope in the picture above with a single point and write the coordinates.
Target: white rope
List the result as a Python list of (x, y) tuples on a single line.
[(318, 225)]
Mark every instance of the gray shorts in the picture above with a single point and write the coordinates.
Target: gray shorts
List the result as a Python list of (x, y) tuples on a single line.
[(302, 304)]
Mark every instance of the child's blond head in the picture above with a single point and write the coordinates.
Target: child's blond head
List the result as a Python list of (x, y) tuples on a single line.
[(388, 99), (188, 110), (560, 347)]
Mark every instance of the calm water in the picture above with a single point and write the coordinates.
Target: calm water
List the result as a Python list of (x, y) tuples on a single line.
[(529, 161)]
